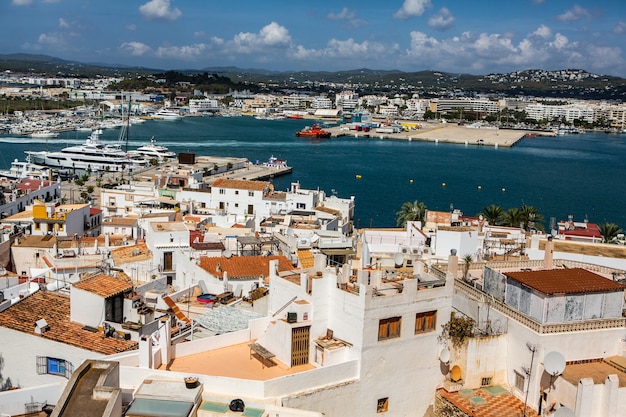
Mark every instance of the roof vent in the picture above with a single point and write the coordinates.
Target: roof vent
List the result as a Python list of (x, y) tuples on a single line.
[(41, 326)]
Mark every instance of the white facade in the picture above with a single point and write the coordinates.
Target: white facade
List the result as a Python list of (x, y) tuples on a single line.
[(203, 105)]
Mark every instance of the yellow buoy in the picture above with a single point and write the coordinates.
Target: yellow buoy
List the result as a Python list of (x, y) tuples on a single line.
[(358, 176), (480, 187), (411, 181), (443, 184), (503, 189)]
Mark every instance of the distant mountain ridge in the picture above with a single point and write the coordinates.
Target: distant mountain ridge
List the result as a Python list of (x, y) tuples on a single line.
[(557, 83)]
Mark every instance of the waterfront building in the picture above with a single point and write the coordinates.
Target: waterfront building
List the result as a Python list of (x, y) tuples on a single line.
[(321, 102), (203, 105), (347, 100), (568, 112), (474, 105)]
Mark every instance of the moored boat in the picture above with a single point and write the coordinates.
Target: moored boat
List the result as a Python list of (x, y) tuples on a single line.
[(314, 131)]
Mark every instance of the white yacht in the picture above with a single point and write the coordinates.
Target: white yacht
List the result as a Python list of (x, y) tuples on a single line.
[(91, 155), (24, 169), (153, 151), (167, 114)]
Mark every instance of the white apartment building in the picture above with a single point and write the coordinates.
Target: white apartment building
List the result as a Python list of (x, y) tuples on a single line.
[(569, 112), (321, 102), (203, 105), (347, 100), (475, 105)]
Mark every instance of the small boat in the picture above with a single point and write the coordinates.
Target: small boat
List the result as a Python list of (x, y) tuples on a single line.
[(314, 131), (167, 114), (44, 134), (274, 162)]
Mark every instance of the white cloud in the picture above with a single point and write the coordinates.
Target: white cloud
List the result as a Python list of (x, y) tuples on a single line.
[(620, 28), (185, 52), (131, 27), (272, 35), (443, 20), (52, 1), (22, 2), (159, 9), (575, 13), (543, 32), (136, 48), (412, 8), (347, 15), (63, 23)]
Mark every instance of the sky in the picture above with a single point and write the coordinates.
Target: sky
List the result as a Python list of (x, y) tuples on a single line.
[(456, 36)]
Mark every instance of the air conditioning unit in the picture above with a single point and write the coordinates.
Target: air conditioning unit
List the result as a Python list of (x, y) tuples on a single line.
[(152, 298)]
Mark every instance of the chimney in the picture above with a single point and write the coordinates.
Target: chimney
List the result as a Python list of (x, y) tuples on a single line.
[(453, 263), (548, 254), (41, 326)]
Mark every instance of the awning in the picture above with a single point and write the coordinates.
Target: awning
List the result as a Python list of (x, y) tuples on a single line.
[(167, 200), (346, 251)]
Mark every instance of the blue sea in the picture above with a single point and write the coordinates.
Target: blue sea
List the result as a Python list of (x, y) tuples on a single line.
[(580, 175)]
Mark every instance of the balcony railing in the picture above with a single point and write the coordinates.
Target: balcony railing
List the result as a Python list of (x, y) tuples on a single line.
[(533, 324)]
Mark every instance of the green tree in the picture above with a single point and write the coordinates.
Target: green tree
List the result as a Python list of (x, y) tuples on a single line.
[(609, 232), (492, 213), (512, 217), (531, 217), (411, 211), (79, 181)]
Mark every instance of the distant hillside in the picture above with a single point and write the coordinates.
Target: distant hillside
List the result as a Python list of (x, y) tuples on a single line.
[(574, 83)]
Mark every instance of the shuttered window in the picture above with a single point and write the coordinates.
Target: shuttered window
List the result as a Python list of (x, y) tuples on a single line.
[(54, 366), (389, 328), (425, 322)]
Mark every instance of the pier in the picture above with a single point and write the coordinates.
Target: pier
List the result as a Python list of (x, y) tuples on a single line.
[(441, 133)]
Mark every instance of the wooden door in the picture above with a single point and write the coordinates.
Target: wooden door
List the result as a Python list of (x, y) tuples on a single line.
[(300, 345)]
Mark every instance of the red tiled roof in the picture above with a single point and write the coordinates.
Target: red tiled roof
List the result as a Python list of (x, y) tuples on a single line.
[(482, 403), (565, 281), (94, 211), (243, 266), (240, 184), (55, 309), (104, 285)]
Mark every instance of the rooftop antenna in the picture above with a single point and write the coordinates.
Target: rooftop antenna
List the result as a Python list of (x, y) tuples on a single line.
[(532, 349)]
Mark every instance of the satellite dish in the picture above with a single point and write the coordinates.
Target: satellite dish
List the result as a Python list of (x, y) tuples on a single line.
[(563, 412), (455, 373), (398, 259), (227, 253), (554, 363), (444, 356)]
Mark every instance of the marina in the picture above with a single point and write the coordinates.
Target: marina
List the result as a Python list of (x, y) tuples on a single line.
[(383, 174)]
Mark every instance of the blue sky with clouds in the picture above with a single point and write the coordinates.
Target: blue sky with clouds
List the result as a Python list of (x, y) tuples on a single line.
[(459, 36)]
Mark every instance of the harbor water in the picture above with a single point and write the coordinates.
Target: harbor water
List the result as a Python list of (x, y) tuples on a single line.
[(579, 175)]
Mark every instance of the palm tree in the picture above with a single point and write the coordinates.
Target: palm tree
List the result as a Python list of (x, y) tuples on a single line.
[(512, 217), (409, 212), (492, 213), (531, 217), (467, 261), (609, 232)]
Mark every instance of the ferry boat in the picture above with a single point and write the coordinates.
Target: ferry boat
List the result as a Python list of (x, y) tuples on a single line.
[(314, 131)]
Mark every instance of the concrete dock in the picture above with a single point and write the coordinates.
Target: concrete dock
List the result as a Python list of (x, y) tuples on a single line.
[(442, 133)]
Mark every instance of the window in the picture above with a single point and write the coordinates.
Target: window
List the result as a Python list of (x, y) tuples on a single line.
[(383, 405), (425, 322), (519, 381), (54, 366), (111, 201), (236, 192), (389, 328), (236, 205), (485, 381), (301, 206), (129, 197), (250, 193), (114, 308), (222, 191), (37, 226)]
